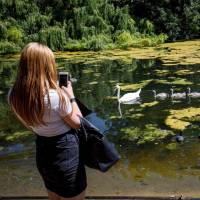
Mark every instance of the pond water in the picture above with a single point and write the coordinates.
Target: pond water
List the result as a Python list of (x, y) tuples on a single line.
[(152, 162)]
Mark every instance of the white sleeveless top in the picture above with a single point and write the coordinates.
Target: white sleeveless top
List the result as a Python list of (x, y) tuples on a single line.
[(54, 123)]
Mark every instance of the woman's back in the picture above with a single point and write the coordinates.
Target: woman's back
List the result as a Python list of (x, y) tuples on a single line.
[(53, 116)]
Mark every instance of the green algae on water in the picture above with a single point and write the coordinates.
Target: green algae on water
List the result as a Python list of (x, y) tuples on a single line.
[(180, 119), (134, 86), (163, 72), (171, 54), (18, 135), (184, 72), (174, 81), (150, 133), (146, 105), (171, 146)]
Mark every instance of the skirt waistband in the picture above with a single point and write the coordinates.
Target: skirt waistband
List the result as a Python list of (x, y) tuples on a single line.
[(54, 138)]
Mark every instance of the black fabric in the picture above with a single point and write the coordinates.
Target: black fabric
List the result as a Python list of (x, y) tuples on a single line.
[(97, 151), (84, 110), (60, 164)]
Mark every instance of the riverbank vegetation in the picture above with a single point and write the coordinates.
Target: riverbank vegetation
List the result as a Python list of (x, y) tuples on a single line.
[(95, 24)]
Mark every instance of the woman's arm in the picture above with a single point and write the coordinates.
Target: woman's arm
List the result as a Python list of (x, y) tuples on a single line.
[(72, 119)]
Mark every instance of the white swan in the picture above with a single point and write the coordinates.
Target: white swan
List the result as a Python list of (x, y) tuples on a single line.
[(128, 96), (193, 94), (177, 95), (160, 96)]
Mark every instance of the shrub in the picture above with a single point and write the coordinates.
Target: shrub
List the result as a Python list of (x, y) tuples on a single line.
[(14, 35), (31, 38), (98, 42), (3, 31), (8, 47), (161, 38), (146, 42), (124, 39), (75, 45), (146, 27), (54, 37)]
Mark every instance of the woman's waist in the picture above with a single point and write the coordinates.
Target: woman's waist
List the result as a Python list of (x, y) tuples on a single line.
[(51, 144), (51, 129), (53, 137)]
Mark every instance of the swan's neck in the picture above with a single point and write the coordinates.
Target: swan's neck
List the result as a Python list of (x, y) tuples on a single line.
[(120, 111), (118, 93)]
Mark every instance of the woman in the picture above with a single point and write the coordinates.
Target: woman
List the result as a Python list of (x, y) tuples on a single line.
[(50, 112)]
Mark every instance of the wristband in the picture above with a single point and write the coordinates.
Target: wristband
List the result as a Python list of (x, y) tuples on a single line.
[(72, 99)]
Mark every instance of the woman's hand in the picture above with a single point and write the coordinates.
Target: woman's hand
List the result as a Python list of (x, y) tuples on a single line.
[(68, 90), (72, 119)]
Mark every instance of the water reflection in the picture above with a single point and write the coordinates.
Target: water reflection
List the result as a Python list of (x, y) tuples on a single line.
[(133, 102), (15, 148), (141, 130)]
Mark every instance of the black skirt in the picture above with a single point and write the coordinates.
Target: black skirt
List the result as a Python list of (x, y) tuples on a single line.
[(60, 165)]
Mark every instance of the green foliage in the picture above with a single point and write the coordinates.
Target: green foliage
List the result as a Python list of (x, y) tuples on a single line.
[(95, 43), (192, 20), (75, 45), (8, 47), (3, 31), (178, 19), (124, 39), (150, 133), (146, 27), (14, 35), (123, 21), (98, 42), (54, 37), (98, 24), (35, 22)]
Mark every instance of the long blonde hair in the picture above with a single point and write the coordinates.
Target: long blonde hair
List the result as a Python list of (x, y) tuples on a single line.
[(36, 75)]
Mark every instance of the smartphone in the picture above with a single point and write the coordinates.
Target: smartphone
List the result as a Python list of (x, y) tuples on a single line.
[(64, 77)]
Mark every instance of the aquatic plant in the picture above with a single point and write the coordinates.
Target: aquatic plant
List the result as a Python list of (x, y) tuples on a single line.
[(150, 133), (134, 86), (180, 119), (20, 135), (174, 81), (146, 105)]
